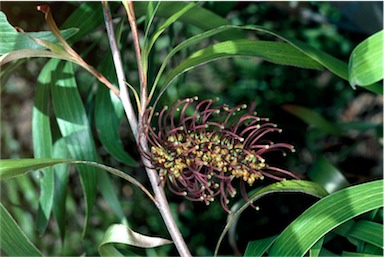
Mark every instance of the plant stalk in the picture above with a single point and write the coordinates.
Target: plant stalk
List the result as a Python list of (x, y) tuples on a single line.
[(161, 200)]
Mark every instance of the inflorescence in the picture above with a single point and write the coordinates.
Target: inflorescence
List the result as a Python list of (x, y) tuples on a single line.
[(199, 156)]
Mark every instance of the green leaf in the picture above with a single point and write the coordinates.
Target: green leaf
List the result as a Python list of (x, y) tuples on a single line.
[(368, 231), (107, 117), (12, 240), (199, 17), (259, 247), (313, 118), (74, 127), (275, 52), (61, 183), (299, 186), (325, 215), (366, 63), (174, 17), (120, 234), (316, 249), (13, 168), (11, 40), (327, 175), (42, 147), (87, 17)]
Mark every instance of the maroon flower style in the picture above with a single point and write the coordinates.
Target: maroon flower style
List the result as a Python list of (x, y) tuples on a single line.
[(199, 155)]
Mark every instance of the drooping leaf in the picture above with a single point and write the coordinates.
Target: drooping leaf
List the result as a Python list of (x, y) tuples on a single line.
[(13, 168), (198, 16), (108, 113), (42, 147), (74, 127), (369, 232), (300, 186), (327, 175), (61, 185), (313, 118), (276, 52), (120, 234), (325, 215), (259, 247), (12, 240), (366, 63)]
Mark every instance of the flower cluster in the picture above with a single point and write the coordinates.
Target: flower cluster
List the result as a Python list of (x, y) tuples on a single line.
[(200, 149)]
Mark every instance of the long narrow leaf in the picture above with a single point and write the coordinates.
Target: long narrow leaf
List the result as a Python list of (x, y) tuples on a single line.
[(369, 232), (61, 184), (74, 127), (107, 117), (325, 215), (259, 247), (14, 168), (12, 240), (327, 175), (42, 146), (299, 186), (313, 118), (276, 52)]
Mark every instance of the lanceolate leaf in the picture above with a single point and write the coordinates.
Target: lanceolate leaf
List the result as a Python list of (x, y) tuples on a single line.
[(325, 215), (13, 168), (61, 184), (12, 240), (276, 52), (120, 234), (74, 126), (368, 231), (259, 247), (300, 186), (313, 118), (107, 117), (327, 175), (366, 63), (42, 146), (198, 16)]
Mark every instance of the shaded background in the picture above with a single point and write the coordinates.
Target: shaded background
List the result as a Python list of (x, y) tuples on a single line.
[(334, 27)]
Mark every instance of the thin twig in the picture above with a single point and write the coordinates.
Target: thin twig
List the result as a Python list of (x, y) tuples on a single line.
[(162, 203)]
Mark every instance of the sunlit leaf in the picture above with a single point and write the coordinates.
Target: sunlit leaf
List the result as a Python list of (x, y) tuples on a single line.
[(259, 247), (299, 186), (12, 240), (327, 175), (42, 147), (120, 234), (13, 168), (11, 39), (366, 63), (325, 215), (369, 232), (275, 52)]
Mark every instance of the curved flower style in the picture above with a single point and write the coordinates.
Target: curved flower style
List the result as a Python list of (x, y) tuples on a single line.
[(199, 155)]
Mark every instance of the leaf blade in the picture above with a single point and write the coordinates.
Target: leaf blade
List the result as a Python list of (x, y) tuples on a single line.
[(366, 61), (11, 234), (325, 215)]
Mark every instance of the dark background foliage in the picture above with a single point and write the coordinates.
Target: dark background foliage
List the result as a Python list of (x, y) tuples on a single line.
[(334, 27)]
